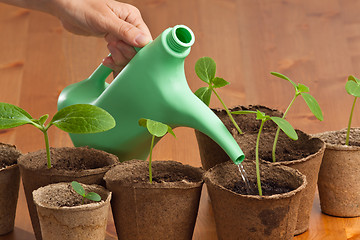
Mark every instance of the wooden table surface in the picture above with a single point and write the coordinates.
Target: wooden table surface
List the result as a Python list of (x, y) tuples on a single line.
[(316, 43)]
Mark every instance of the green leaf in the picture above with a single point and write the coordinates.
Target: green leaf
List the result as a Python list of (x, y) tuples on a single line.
[(219, 82), (83, 118), (78, 188), (12, 116), (260, 115), (352, 88), (286, 127), (204, 94), (302, 88), (43, 119), (93, 197), (279, 75), (205, 68), (313, 105), (142, 122), (171, 131), (353, 78), (155, 128), (243, 112)]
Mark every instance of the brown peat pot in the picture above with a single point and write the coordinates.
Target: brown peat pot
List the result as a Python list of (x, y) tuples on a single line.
[(239, 216), (9, 186), (164, 209), (304, 154), (63, 216), (339, 177), (81, 164)]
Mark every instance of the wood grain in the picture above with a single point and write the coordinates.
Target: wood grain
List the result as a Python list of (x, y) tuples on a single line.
[(316, 43)]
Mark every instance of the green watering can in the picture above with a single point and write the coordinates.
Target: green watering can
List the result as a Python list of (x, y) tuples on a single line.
[(152, 86)]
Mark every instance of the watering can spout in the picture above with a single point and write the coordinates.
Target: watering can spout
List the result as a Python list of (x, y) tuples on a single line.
[(195, 114), (152, 86)]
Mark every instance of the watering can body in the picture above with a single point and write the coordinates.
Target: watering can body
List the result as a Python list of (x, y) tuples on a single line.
[(152, 86)]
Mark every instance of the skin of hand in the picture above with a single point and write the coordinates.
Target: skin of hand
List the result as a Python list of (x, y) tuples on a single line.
[(121, 24)]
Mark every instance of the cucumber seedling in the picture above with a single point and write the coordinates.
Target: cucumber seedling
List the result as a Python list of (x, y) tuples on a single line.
[(78, 118), (156, 129), (284, 125), (205, 69), (300, 90), (352, 87), (81, 191)]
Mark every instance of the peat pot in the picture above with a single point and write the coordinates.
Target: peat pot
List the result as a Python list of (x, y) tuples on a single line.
[(164, 209), (304, 154), (9, 186), (339, 177), (85, 165), (256, 217), (211, 153), (63, 216)]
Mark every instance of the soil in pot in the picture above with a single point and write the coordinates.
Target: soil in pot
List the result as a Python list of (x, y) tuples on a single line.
[(211, 153), (267, 217), (62, 214), (9, 186), (338, 183), (304, 154), (164, 209), (82, 164)]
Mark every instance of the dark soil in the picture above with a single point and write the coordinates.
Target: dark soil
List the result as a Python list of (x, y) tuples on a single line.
[(174, 177), (339, 137), (8, 155), (275, 179), (71, 159), (268, 188), (286, 148), (137, 171), (247, 122), (75, 164)]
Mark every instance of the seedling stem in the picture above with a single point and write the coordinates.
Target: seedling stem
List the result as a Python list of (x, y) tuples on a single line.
[(150, 157), (205, 69), (349, 124), (284, 125), (257, 157), (278, 129), (156, 129), (227, 111), (300, 89)]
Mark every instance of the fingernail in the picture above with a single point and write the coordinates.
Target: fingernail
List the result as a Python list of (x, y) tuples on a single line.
[(141, 39)]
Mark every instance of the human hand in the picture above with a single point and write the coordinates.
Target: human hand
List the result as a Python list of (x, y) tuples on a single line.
[(121, 24)]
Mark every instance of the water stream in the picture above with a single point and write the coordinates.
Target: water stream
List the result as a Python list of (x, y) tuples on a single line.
[(245, 178)]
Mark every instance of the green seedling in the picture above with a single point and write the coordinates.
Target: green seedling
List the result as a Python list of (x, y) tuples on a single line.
[(300, 90), (353, 88), (205, 69), (79, 118), (156, 129), (81, 191), (284, 125)]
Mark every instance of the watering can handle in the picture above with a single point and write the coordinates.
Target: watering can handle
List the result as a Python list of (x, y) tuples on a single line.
[(102, 72)]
